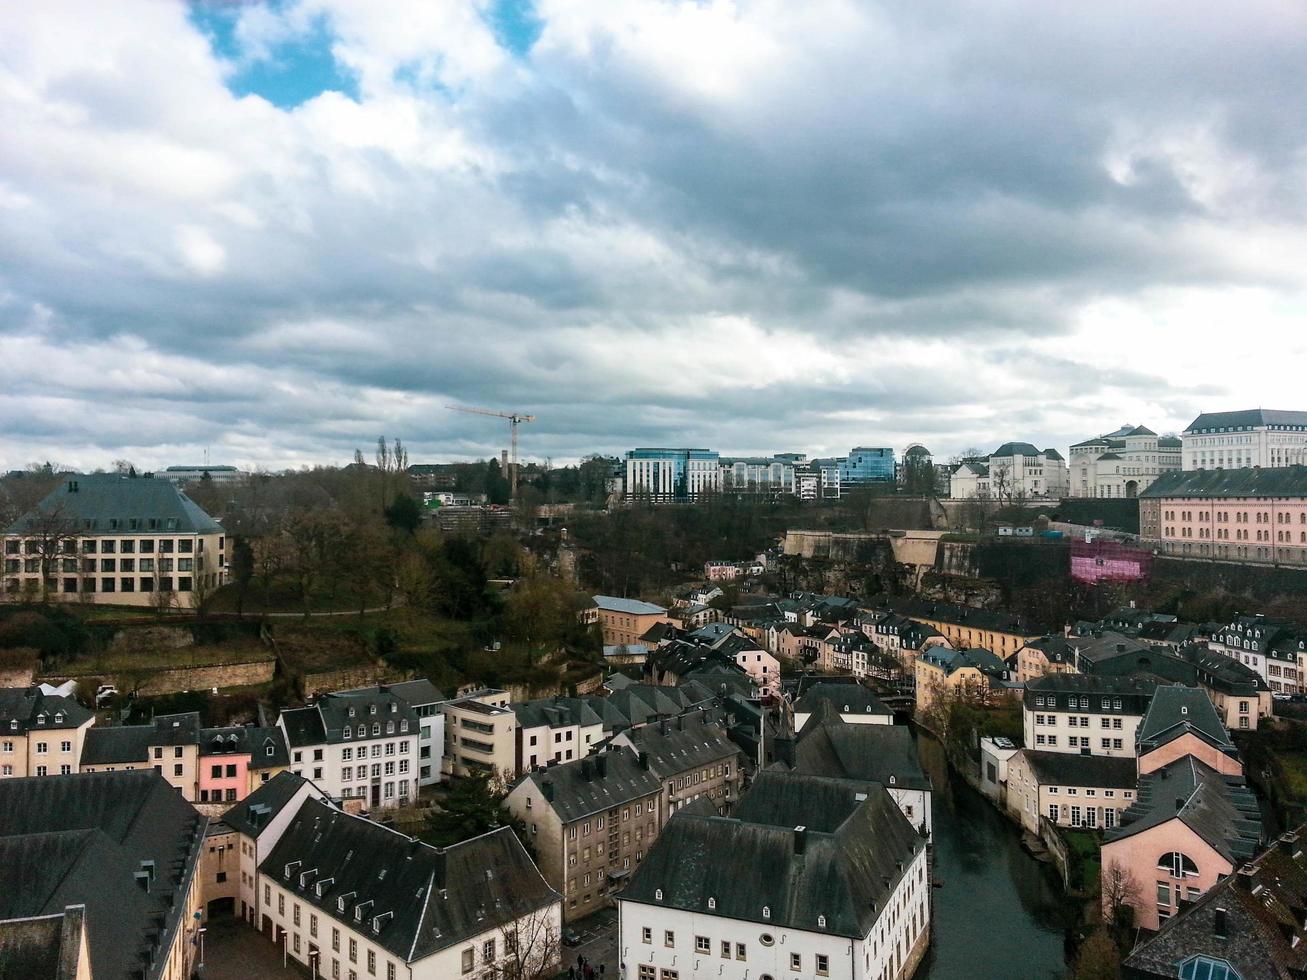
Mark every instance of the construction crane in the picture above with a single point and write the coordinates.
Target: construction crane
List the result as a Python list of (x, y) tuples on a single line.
[(514, 420)]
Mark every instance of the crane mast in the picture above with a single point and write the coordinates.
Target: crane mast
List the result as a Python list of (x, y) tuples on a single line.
[(514, 420)]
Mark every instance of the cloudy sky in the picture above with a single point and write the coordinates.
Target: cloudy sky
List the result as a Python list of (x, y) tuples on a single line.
[(278, 230)]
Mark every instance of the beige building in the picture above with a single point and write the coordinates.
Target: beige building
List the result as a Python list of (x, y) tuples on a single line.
[(171, 747), (591, 823), (40, 734), (1070, 790), (480, 735), (113, 539), (1122, 463), (624, 621)]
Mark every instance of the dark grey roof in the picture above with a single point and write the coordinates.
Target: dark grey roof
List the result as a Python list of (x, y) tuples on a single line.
[(251, 815), (688, 741), (80, 839), (415, 899), (847, 699), (131, 743), (798, 876), (1219, 809), (38, 712), (1264, 935), (886, 754), (1247, 419), (601, 781), (1015, 449), (555, 712), (1052, 454), (1248, 481), (418, 692), (303, 726), (784, 798), (1089, 684), (1177, 711), (108, 503), (1072, 769)]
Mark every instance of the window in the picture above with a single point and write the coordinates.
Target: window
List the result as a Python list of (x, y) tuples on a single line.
[(669, 937), (823, 965), (488, 951), (702, 944), (796, 961), (468, 959), (372, 961), (1178, 865), (646, 935), (739, 951)]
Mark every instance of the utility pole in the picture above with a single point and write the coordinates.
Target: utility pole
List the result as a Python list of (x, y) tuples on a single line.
[(514, 420)]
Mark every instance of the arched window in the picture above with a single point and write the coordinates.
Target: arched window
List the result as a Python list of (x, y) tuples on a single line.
[(1177, 865)]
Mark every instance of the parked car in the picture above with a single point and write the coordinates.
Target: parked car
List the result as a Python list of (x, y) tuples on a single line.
[(571, 937)]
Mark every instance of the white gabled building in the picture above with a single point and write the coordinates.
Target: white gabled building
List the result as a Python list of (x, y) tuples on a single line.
[(346, 897), (812, 877), (361, 746)]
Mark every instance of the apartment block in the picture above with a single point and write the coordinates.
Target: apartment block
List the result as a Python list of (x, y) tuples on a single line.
[(40, 734), (693, 757), (672, 475), (1253, 437), (591, 823), (481, 735), (1085, 714), (360, 746), (625, 621), (114, 539)]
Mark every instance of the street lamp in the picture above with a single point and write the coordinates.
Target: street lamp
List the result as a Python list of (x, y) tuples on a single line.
[(201, 931), (313, 961)]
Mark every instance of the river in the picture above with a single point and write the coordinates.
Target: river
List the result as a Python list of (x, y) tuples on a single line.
[(999, 913)]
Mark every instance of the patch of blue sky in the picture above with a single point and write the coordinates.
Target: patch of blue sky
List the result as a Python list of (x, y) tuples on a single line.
[(516, 25), (293, 72)]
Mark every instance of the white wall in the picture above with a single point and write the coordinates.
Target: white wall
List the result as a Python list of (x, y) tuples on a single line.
[(862, 959)]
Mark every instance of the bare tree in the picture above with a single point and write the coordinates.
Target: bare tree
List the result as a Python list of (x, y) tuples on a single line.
[(1000, 480), (1122, 894), (532, 946), (49, 537)]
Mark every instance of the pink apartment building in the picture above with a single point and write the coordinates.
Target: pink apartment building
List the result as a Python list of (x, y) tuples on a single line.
[(1244, 515)]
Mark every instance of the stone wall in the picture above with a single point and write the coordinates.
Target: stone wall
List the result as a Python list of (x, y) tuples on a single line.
[(344, 678), (172, 680)]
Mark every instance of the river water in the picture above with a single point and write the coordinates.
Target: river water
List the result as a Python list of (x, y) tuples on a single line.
[(1000, 913)]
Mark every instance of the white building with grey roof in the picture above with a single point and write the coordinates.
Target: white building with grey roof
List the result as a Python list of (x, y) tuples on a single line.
[(357, 746), (348, 897), (811, 877)]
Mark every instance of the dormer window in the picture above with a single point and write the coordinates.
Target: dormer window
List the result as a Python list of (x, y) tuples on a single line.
[(712, 902), (372, 709), (403, 724), (348, 731), (658, 894), (891, 779), (351, 712), (376, 728), (821, 922), (766, 911), (59, 718), (390, 728), (394, 708)]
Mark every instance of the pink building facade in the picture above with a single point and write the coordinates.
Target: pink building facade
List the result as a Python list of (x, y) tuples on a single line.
[(224, 777), (1246, 515)]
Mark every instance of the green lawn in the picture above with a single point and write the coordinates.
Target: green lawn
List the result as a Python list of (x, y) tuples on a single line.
[(157, 659)]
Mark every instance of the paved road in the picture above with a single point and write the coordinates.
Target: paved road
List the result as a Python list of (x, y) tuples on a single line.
[(598, 944), (235, 951)]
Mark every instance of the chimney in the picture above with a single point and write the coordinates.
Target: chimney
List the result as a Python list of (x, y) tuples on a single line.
[(601, 765), (1245, 878), (1219, 924), (644, 760), (1179, 802), (142, 880), (662, 726), (800, 839), (587, 770), (547, 787)]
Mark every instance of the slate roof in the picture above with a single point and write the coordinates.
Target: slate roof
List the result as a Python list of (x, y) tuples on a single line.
[(1247, 481), (845, 698), (35, 711), (675, 745), (1015, 449), (416, 899), (1177, 711), (1264, 935), (326, 720), (418, 692), (580, 789), (101, 498), (885, 754), (251, 815), (846, 874), (784, 798), (1072, 769), (80, 839), (631, 607), (1219, 809), (1247, 419), (555, 712)]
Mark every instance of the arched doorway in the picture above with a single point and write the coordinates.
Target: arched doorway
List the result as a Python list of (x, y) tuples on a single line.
[(221, 907), (1132, 488)]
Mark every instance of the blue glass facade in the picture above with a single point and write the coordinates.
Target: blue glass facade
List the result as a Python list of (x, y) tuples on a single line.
[(867, 465)]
